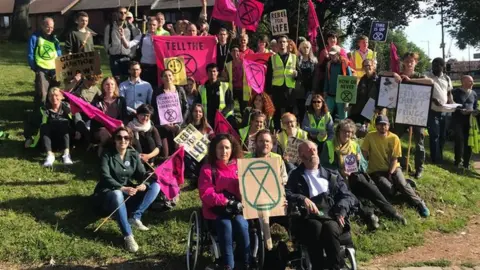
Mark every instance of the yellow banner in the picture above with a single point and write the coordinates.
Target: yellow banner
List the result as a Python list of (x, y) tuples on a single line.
[(177, 66)]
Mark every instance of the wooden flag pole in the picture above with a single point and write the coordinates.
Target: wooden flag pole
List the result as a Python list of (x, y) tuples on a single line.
[(410, 132), (264, 219), (298, 20)]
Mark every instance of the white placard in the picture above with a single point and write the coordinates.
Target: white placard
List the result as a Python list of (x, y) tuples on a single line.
[(279, 22), (413, 104), (388, 92), (292, 150), (369, 109), (194, 142)]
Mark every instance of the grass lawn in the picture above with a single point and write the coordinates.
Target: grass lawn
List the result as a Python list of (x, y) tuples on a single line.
[(45, 214)]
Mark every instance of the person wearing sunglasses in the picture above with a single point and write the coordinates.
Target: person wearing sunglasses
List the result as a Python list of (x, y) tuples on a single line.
[(318, 122), (119, 166)]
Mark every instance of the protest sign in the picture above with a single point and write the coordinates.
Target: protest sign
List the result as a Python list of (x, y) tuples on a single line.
[(67, 66), (194, 142), (387, 92), (249, 14), (350, 162), (292, 150), (346, 89), (378, 31), (255, 74), (279, 22), (177, 66), (369, 109), (169, 111), (197, 52), (251, 143), (413, 104)]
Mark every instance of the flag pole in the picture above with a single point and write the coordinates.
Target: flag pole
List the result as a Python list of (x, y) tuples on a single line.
[(298, 20)]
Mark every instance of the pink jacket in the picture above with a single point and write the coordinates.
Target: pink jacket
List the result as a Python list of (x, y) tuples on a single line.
[(226, 178)]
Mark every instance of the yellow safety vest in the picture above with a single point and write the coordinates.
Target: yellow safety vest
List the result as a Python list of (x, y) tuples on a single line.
[(247, 90), (320, 126), (284, 74), (270, 155), (473, 135), (223, 89), (331, 150), (45, 54), (372, 127), (358, 61), (244, 133), (283, 137)]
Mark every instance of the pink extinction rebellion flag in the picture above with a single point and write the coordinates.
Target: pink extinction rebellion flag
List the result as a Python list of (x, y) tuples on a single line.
[(255, 73), (79, 105), (394, 59), (224, 10), (170, 174), (222, 126), (249, 14)]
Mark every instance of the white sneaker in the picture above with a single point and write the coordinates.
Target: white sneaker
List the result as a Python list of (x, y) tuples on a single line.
[(137, 223), (49, 161), (130, 244), (67, 160)]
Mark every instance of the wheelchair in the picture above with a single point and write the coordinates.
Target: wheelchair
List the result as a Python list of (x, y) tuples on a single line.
[(202, 238)]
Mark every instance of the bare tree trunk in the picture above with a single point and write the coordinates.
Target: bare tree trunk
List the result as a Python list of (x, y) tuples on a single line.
[(20, 22)]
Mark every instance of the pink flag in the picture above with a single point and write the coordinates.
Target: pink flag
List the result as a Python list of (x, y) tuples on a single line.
[(261, 58), (222, 126), (394, 59), (79, 105), (255, 73), (249, 14), (313, 23), (197, 53), (170, 174), (224, 10)]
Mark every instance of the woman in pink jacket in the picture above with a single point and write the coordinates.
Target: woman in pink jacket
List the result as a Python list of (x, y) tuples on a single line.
[(221, 200)]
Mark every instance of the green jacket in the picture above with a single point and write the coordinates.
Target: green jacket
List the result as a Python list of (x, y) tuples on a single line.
[(116, 173)]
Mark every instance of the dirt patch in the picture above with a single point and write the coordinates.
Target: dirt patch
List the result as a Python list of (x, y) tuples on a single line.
[(459, 247)]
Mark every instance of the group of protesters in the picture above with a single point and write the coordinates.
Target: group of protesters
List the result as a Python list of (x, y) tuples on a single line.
[(299, 101)]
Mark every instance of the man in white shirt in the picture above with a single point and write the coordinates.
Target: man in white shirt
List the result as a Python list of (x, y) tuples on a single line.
[(442, 94)]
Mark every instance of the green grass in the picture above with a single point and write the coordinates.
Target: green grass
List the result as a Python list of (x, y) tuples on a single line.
[(436, 263), (46, 214)]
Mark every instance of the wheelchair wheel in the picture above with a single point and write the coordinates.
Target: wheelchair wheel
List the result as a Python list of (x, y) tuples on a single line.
[(193, 241), (258, 245), (350, 261)]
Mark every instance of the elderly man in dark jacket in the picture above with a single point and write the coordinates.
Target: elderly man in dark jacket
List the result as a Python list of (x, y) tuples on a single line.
[(327, 201)]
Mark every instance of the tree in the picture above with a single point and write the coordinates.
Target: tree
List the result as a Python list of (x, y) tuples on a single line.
[(20, 24)]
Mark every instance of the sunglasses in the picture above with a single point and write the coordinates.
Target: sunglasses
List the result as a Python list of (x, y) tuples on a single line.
[(120, 137), (317, 101)]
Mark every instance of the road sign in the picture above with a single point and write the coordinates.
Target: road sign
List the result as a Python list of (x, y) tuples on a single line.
[(378, 31)]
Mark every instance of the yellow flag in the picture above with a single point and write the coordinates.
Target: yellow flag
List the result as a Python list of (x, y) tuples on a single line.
[(177, 66)]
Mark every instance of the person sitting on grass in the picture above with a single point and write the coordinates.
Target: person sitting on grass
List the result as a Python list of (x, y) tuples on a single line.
[(247, 134), (146, 139), (52, 124), (119, 166), (263, 103), (382, 149), (289, 130), (318, 122)]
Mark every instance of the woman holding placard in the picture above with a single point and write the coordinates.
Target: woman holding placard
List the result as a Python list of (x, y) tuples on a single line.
[(318, 122), (343, 153), (169, 130), (219, 191)]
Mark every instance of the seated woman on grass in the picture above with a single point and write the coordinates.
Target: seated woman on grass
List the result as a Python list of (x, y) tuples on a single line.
[(261, 102), (247, 134), (52, 125), (318, 122), (120, 164)]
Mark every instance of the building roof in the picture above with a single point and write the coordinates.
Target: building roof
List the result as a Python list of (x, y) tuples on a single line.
[(107, 4), (6, 6), (50, 6), (174, 4)]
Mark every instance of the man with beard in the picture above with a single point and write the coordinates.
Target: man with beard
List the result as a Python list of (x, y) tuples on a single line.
[(328, 202), (367, 88), (382, 149)]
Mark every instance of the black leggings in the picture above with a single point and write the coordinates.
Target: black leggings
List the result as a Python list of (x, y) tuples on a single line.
[(57, 132)]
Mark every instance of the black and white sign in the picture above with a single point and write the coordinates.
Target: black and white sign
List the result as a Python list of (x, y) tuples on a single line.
[(279, 22), (413, 104), (378, 31)]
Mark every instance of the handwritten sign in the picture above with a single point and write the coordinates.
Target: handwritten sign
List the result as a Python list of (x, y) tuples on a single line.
[(387, 92), (350, 163), (346, 89), (169, 110), (177, 66), (67, 66), (279, 22), (413, 104), (194, 142), (291, 153)]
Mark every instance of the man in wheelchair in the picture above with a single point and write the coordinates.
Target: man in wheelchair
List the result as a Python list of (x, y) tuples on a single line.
[(326, 202)]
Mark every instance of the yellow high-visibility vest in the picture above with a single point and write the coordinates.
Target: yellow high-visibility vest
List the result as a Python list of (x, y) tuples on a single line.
[(320, 126), (283, 137), (223, 89), (45, 54), (284, 74), (247, 90), (358, 61)]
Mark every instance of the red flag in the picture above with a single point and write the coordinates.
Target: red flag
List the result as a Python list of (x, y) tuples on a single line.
[(255, 74), (170, 174), (224, 10), (222, 126), (394, 59), (249, 14), (261, 58), (313, 24), (79, 105)]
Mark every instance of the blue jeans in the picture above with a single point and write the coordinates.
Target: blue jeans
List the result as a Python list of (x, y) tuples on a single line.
[(227, 228), (115, 197), (338, 108), (437, 133)]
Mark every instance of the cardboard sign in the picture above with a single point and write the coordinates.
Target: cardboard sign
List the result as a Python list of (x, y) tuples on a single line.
[(350, 163), (194, 142), (177, 66), (261, 187), (169, 111), (279, 22), (369, 109), (292, 150), (67, 66), (378, 31), (387, 92), (413, 104), (250, 143), (346, 89)]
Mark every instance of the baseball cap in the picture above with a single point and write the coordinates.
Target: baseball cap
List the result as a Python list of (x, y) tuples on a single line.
[(382, 119), (335, 49), (129, 15)]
